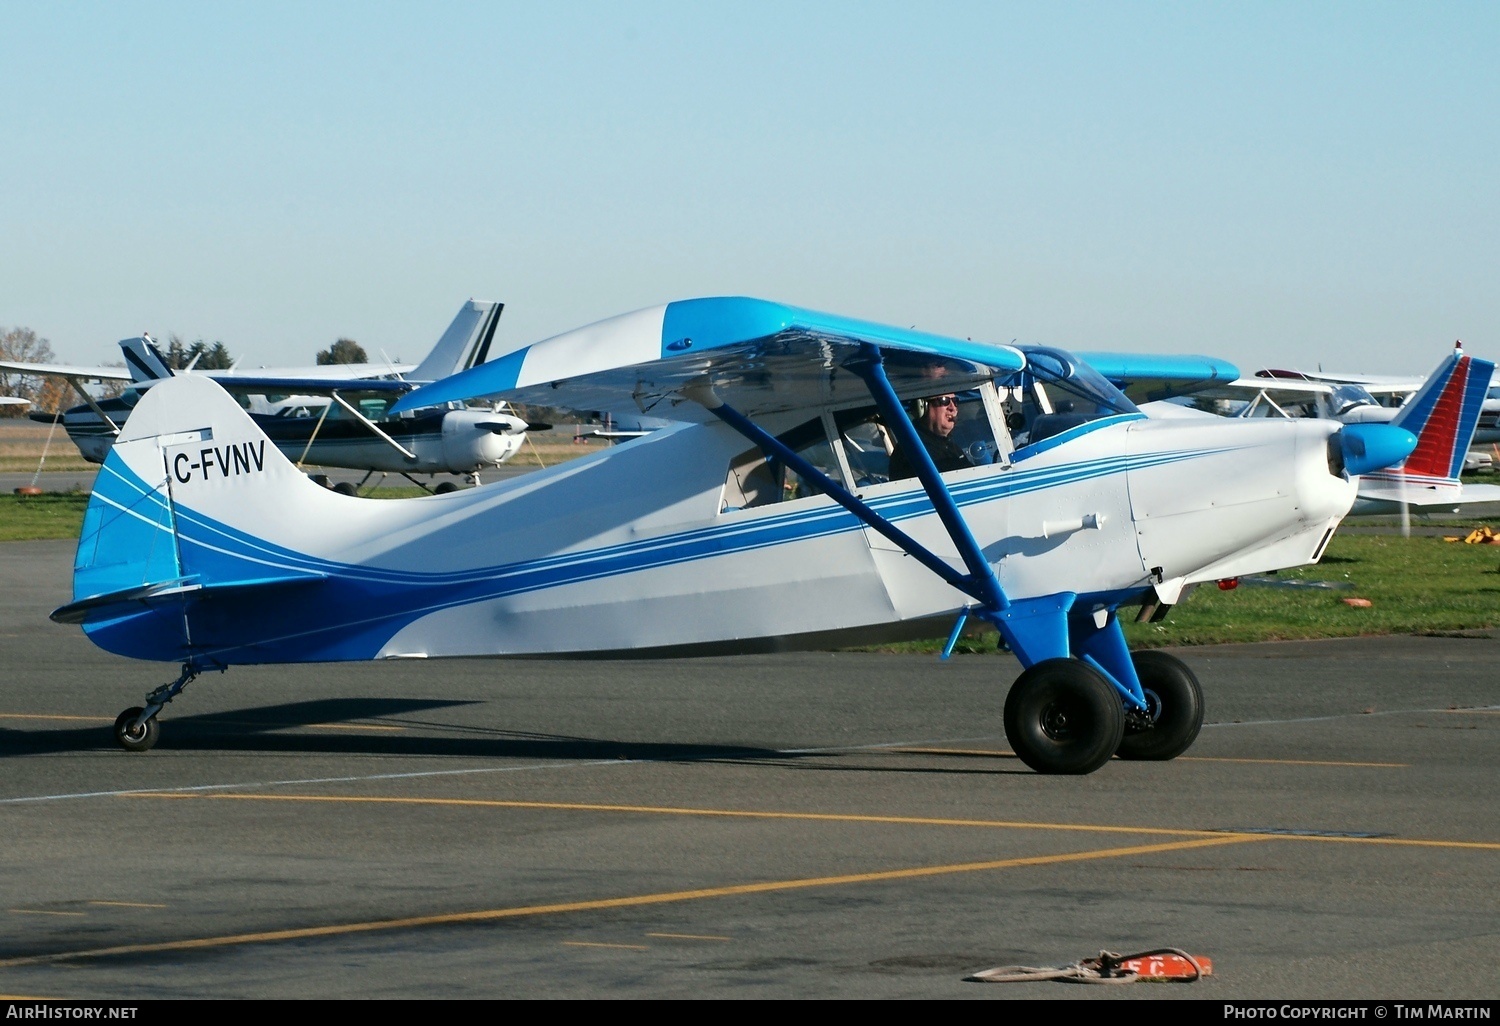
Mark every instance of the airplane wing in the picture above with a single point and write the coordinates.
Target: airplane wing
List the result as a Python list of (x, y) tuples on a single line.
[(1264, 397), (758, 356), (64, 371), (1146, 377), (249, 383)]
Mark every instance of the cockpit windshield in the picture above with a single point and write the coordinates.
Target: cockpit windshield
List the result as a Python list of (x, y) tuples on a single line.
[(1070, 381), (1056, 392), (1346, 397)]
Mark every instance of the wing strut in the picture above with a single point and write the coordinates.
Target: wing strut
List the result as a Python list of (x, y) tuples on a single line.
[(367, 422), (94, 405), (980, 583), (773, 446), (980, 571), (1034, 629)]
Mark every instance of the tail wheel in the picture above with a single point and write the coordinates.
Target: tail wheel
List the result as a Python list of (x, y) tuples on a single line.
[(1174, 709), (133, 736), (1062, 717)]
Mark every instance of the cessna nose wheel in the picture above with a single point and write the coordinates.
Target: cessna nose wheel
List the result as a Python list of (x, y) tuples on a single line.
[(1062, 717)]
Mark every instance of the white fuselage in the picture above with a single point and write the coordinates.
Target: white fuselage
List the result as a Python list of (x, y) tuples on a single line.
[(637, 548)]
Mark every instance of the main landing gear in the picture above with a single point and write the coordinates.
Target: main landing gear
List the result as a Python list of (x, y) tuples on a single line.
[(1063, 716), (1174, 709), (136, 729)]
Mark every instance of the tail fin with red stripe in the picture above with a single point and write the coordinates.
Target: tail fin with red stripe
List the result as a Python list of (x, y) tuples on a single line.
[(1443, 416)]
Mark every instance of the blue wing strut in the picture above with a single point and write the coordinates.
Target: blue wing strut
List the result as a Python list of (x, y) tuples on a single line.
[(1034, 629)]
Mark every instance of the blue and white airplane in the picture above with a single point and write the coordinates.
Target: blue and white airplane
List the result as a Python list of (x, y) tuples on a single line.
[(748, 524)]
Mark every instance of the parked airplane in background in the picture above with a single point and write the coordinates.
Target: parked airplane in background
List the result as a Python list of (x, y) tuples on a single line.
[(1443, 412), (1387, 391), (328, 416), (744, 526)]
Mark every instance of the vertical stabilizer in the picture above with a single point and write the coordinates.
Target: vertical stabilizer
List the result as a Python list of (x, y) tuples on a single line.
[(144, 361), (1443, 415), (178, 514), (465, 343)]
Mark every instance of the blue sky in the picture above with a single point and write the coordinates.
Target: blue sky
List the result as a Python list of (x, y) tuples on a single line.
[(1283, 184)]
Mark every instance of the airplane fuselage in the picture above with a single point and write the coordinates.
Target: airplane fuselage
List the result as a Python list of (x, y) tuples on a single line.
[(636, 548)]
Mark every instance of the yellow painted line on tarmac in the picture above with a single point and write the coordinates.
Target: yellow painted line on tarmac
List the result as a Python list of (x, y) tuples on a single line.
[(824, 817), (1475, 712), (689, 936), (43, 912), (815, 817), (39, 716), (629, 901), (127, 904), (600, 944), (1395, 842), (1296, 762)]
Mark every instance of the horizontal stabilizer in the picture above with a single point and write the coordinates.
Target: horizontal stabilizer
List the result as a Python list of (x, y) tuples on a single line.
[(131, 600)]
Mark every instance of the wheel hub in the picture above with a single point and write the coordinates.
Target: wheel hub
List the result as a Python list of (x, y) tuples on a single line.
[(1055, 723), (1137, 720)]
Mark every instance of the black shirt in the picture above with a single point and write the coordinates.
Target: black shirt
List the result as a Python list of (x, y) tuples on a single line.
[(945, 455)]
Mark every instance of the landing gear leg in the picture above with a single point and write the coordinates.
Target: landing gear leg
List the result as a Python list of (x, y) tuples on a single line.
[(136, 729), (1173, 715)]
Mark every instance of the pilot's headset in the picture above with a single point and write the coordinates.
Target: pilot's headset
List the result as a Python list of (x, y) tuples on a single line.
[(919, 407)]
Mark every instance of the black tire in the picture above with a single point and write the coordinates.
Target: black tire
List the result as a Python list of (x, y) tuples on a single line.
[(138, 738), (1062, 717), (1174, 709), (445, 488), (346, 488)]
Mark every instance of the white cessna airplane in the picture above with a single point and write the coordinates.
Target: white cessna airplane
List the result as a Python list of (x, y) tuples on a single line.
[(747, 525), (328, 416)]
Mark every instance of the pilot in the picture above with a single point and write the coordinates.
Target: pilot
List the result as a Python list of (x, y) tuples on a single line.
[(936, 418)]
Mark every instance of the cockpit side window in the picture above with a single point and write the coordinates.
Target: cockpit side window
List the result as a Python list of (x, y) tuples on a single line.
[(956, 428), (757, 480)]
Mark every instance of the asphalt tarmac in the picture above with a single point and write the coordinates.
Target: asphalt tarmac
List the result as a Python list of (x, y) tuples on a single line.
[(844, 825)]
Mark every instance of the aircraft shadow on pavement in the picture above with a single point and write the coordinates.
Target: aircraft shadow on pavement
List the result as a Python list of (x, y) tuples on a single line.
[(365, 726), (404, 726)]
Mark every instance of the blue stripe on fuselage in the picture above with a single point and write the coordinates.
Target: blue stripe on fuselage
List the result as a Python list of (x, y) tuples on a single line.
[(356, 610)]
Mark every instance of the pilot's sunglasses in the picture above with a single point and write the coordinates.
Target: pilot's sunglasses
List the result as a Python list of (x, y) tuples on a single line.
[(947, 400)]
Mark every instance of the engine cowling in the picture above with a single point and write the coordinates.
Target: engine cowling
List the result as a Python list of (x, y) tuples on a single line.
[(473, 440)]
